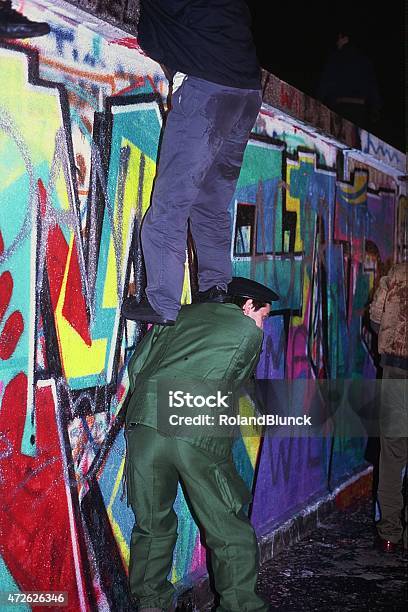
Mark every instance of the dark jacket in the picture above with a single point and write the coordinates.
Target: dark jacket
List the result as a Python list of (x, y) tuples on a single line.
[(210, 346), (348, 73), (209, 39)]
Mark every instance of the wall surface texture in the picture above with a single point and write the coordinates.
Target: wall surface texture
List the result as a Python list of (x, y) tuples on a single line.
[(122, 13), (319, 212)]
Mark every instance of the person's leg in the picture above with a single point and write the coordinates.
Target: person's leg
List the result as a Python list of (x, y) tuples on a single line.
[(210, 220), (394, 451), (217, 495), (152, 490), (203, 116), (393, 458)]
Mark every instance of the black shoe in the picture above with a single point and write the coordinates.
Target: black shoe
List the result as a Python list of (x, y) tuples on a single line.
[(142, 311), (15, 25), (213, 294)]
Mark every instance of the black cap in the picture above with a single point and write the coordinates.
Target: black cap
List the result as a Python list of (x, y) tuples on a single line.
[(247, 288)]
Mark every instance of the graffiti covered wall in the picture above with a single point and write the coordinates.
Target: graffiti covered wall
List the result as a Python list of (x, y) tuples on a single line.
[(80, 121)]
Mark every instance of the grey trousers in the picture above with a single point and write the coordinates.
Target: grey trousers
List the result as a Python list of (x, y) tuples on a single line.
[(394, 452), (203, 145)]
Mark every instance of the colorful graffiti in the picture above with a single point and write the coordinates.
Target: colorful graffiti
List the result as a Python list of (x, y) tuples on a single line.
[(80, 122)]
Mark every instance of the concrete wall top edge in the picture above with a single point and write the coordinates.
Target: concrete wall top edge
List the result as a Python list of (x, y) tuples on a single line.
[(123, 15)]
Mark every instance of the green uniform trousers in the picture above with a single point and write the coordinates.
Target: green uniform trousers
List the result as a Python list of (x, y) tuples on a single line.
[(155, 465)]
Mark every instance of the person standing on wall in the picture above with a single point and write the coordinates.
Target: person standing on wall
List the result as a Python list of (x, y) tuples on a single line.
[(207, 49), (389, 318), (211, 346), (348, 83)]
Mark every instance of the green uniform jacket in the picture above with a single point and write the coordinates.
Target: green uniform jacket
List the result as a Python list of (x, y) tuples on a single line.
[(209, 342)]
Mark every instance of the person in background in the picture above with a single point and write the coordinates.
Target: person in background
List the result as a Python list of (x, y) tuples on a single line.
[(389, 318), (15, 25), (348, 84), (213, 344), (207, 49)]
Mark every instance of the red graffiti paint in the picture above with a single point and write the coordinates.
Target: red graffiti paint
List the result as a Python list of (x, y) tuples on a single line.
[(56, 257), (35, 536), (42, 197), (127, 41), (139, 82), (6, 289), (10, 332), (74, 309)]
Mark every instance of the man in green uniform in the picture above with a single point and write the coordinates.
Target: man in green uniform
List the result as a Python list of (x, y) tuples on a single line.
[(210, 343)]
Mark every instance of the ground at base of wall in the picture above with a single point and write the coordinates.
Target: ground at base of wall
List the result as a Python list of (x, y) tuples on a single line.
[(335, 568)]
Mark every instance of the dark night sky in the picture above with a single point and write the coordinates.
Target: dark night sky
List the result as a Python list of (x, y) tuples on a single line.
[(293, 40)]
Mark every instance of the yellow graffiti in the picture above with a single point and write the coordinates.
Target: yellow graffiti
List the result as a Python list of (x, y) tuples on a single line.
[(251, 435), (300, 320), (123, 546), (292, 203), (24, 102), (79, 359), (360, 184)]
